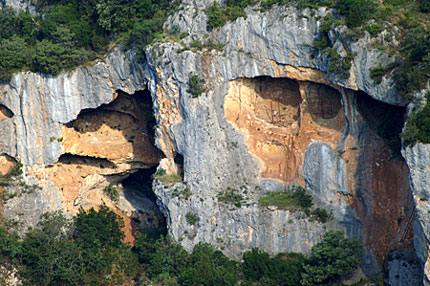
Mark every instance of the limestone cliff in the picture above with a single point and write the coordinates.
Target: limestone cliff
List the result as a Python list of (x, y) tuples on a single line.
[(271, 117)]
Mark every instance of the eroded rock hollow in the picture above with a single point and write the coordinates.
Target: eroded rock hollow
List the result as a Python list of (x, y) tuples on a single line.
[(342, 145), (111, 146)]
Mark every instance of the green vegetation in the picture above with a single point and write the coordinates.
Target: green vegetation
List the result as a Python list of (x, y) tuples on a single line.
[(230, 196), (71, 33), (332, 258), (14, 172), (233, 9), (192, 218), (283, 269), (88, 250), (196, 85), (295, 199), (376, 74), (85, 251), (112, 193), (418, 125), (166, 179)]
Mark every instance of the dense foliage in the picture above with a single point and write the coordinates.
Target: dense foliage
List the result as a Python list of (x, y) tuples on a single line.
[(331, 259), (88, 250), (418, 125), (71, 33)]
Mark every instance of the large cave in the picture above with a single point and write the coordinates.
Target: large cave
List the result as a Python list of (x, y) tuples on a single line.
[(112, 145), (286, 119)]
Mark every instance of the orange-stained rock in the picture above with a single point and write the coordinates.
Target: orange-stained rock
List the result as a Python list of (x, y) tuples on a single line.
[(6, 163), (280, 117), (99, 148)]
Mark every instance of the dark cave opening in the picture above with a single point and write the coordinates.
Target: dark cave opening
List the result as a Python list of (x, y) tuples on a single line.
[(137, 190), (385, 119)]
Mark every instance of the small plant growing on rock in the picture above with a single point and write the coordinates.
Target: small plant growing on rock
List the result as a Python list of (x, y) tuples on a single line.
[(321, 215), (112, 193), (196, 85), (230, 196), (192, 218)]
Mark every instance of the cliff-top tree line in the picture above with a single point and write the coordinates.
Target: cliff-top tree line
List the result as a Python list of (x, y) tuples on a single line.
[(88, 250), (72, 33)]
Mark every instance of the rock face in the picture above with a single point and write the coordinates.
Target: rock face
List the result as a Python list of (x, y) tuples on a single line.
[(271, 117), (418, 159)]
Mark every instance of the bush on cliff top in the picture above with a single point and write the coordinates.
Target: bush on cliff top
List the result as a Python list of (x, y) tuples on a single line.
[(71, 33)]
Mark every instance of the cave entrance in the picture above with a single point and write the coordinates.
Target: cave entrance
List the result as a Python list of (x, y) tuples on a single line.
[(112, 145), (146, 216), (384, 119)]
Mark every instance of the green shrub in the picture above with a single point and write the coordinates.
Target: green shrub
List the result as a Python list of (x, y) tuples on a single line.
[(424, 5), (337, 64), (196, 85), (376, 74), (330, 259), (230, 196), (417, 128), (233, 9), (216, 16), (10, 247), (321, 215), (192, 218), (112, 193), (356, 11), (255, 264), (283, 269), (373, 29), (166, 179), (206, 267), (13, 56)]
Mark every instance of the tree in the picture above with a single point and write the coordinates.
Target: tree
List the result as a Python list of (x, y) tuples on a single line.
[(49, 255), (208, 266), (13, 56), (332, 258), (115, 15), (356, 11), (98, 229), (255, 264), (424, 5)]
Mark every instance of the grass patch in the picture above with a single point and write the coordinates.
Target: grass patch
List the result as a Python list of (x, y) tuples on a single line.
[(166, 179), (293, 200)]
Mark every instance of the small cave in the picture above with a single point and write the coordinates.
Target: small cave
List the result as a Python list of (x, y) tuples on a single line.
[(179, 161), (147, 217), (5, 113), (102, 163), (384, 119), (121, 131)]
